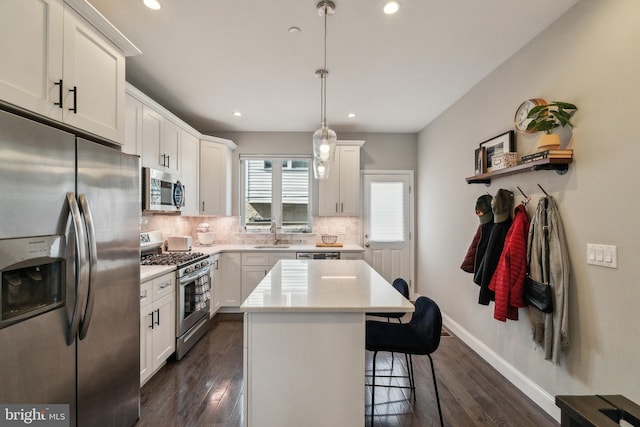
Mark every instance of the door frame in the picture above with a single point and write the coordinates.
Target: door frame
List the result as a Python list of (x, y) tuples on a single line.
[(412, 246)]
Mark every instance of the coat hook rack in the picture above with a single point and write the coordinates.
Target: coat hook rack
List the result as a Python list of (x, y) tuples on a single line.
[(545, 193), (522, 192), (527, 199)]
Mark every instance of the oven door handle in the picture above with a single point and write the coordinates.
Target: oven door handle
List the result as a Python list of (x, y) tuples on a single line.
[(192, 276)]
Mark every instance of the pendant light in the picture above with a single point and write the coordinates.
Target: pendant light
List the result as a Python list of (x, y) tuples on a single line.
[(324, 139)]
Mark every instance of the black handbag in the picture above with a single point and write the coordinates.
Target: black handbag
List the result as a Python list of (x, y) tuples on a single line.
[(538, 295)]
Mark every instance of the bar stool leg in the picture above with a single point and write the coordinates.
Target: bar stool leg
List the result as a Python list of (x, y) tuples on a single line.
[(373, 386)]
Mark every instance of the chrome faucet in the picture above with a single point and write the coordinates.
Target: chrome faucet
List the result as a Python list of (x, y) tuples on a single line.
[(274, 230)]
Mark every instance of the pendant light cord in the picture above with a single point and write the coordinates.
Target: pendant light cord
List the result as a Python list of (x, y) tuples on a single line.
[(324, 72)]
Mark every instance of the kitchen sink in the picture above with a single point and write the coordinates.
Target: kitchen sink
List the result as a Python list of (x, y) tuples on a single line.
[(270, 246)]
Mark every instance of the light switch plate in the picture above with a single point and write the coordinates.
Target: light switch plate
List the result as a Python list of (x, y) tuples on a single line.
[(602, 255)]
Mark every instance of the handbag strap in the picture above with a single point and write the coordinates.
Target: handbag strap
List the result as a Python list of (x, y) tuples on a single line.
[(546, 274)]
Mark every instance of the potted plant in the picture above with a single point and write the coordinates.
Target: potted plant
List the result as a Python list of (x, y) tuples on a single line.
[(545, 118)]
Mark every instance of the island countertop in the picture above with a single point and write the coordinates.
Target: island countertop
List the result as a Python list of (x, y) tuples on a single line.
[(325, 286)]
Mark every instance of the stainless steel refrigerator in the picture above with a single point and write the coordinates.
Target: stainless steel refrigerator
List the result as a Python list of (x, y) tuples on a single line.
[(70, 268)]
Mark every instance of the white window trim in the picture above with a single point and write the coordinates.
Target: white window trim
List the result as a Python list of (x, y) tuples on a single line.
[(276, 190)]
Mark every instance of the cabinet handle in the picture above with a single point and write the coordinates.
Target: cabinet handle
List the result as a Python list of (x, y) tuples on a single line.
[(165, 285), (59, 84), (75, 100), (151, 314), (336, 207), (168, 165), (341, 207), (158, 320), (203, 206)]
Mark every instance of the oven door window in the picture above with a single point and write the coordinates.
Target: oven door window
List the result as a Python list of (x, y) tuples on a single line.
[(196, 294)]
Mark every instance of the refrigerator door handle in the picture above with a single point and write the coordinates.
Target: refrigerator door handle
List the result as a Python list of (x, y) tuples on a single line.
[(82, 276), (93, 264)]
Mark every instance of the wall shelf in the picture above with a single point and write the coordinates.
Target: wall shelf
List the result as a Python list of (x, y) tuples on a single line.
[(559, 165)]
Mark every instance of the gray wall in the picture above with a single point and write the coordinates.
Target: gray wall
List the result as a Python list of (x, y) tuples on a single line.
[(589, 57), (380, 151)]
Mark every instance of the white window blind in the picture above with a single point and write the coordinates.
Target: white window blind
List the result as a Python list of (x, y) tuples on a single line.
[(387, 212)]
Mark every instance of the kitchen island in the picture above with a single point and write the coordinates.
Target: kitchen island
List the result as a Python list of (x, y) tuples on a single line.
[(304, 342)]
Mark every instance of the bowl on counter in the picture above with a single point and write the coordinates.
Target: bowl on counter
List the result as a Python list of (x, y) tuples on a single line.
[(206, 238), (329, 239)]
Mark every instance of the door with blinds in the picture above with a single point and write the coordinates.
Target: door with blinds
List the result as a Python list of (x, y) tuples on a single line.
[(388, 223)]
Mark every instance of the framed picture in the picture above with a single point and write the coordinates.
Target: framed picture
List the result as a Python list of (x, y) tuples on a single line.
[(503, 143), (480, 159)]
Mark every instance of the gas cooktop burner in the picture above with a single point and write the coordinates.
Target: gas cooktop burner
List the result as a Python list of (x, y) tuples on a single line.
[(171, 258)]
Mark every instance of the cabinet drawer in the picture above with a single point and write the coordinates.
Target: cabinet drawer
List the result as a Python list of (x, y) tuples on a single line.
[(163, 286), (255, 258), (275, 257), (146, 290)]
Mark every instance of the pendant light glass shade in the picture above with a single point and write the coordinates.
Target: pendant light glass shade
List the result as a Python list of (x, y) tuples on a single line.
[(320, 168), (324, 139), (324, 144)]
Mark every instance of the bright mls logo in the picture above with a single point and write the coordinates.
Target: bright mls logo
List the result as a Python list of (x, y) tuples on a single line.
[(34, 415)]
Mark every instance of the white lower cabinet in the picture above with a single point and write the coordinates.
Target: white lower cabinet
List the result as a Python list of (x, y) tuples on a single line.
[(230, 290), (256, 265), (214, 274), (157, 324)]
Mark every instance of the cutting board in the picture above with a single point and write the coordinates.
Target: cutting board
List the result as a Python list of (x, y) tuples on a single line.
[(328, 245)]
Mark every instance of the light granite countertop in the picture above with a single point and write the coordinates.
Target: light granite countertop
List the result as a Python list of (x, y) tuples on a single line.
[(149, 272), (325, 286)]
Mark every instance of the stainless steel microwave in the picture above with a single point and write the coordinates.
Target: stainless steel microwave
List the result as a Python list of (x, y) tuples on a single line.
[(161, 191)]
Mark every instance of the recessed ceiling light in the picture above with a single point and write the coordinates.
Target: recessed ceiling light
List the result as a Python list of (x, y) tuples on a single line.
[(152, 4), (391, 7), (237, 113), (351, 115)]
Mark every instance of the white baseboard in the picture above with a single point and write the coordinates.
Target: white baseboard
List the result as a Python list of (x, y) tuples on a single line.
[(543, 399)]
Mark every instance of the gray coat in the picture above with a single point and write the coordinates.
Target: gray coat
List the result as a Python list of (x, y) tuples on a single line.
[(550, 330)]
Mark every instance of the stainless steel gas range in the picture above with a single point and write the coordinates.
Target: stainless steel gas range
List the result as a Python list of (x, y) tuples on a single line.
[(193, 289)]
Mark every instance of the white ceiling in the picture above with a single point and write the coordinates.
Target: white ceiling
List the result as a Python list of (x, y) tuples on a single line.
[(205, 59)]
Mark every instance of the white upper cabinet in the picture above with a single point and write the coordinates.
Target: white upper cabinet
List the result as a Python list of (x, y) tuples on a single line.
[(215, 176), (93, 80), (57, 64), (339, 195), (31, 38), (152, 133), (172, 135), (132, 126), (160, 142), (189, 159)]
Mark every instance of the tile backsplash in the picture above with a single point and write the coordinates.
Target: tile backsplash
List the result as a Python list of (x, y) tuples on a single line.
[(227, 229)]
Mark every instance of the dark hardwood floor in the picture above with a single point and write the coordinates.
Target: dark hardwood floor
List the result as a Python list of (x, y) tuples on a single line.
[(205, 388)]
